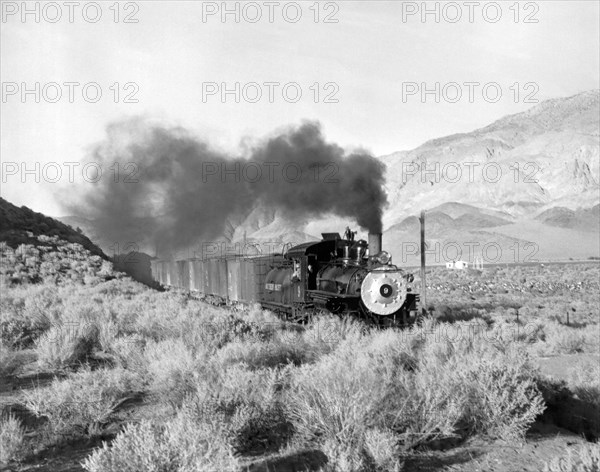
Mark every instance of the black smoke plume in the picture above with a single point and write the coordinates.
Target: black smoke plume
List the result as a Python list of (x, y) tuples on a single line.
[(181, 192)]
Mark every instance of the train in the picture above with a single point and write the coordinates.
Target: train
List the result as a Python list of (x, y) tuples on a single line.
[(336, 275)]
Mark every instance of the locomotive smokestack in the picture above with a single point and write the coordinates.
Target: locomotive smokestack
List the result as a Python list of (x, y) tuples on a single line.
[(374, 243)]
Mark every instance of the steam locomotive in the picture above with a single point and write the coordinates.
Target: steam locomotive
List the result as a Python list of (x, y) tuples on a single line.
[(340, 276)]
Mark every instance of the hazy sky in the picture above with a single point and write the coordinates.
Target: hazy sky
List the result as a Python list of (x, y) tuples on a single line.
[(368, 58)]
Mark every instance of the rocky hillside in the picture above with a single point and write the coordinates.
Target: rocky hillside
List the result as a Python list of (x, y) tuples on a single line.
[(522, 164), (35, 247), (23, 226)]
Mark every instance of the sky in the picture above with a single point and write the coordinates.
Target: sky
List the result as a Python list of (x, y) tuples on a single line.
[(360, 67)]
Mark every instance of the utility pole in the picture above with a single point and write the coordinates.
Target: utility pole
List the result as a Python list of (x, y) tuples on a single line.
[(423, 296)]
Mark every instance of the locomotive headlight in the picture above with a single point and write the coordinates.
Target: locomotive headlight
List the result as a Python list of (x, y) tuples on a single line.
[(383, 291), (384, 257)]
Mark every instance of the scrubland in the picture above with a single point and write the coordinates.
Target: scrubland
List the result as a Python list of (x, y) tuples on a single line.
[(159, 381)]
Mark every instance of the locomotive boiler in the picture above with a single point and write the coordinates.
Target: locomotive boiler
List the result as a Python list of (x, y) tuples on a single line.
[(338, 275)]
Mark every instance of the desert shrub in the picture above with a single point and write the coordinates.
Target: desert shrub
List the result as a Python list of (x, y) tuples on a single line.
[(283, 347), (496, 383), (152, 322), (567, 342), (414, 386), (532, 332), (335, 402), (503, 399), (332, 330), (18, 332), (108, 331), (190, 442), (84, 402), (445, 313), (172, 368), (383, 449), (53, 260), (12, 438), (585, 459), (128, 352), (250, 403), (257, 355), (342, 457), (67, 344), (562, 339), (113, 289), (9, 361), (27, 312), (584, 381), (505, 332), (219, 328)]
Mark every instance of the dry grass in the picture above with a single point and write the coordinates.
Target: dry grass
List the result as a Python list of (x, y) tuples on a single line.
[(413, 388), (9, 360), (66, 345), (585, 459), (187, 443), (171, 369), (12, 438), (84, 402), (585, 383)]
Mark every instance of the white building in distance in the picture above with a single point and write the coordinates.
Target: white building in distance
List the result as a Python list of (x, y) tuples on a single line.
[(457, 265)]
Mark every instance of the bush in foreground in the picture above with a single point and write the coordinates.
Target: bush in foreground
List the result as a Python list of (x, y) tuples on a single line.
[(190, 442), (9, 362), (63, 346), (83, 402), (412, 391), (12, 437)]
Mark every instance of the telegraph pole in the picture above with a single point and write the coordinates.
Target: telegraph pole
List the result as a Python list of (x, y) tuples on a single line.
[(423, 296)]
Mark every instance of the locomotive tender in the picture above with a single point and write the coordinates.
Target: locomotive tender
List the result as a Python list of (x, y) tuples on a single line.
[(341, 276)]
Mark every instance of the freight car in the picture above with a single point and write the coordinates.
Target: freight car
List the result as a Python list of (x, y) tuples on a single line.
[(341, 276)]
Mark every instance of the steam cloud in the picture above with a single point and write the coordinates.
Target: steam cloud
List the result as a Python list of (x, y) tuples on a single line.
[(182, 192)]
